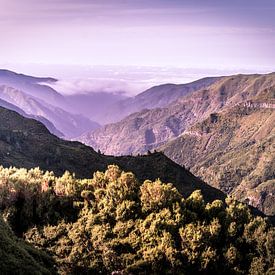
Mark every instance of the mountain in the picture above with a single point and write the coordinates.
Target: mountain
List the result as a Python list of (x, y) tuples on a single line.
[(150, 129), (43, 120), (71, 125), (237, 156), (92, 105), (27, 143), (234, 151), (34, 86), (157, 96), (36, 98)]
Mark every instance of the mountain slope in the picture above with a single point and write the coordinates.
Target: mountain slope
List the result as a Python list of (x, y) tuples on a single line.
[(43, 120), (157, 96), (34, 86), (234, 151), (150, 129), (27, 143), (70, 125)]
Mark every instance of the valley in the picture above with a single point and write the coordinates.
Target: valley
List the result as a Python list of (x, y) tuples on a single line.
[(166, 165), (137, 137), (219, 128)]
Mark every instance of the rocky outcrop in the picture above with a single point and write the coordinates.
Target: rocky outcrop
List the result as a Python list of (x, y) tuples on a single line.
[(259, 105)]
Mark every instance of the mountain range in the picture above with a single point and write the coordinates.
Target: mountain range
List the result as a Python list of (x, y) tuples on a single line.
[(234, 150), (36, 98), (219, 128), (235, 156), (43, 120), (34, 86), (155, 97), (151, 128), (67, 123), (27, 143)]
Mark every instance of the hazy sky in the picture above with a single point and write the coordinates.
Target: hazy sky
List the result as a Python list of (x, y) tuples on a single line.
[(195, 33)]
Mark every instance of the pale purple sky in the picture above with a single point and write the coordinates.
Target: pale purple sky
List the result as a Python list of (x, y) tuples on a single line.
[(195, 33)]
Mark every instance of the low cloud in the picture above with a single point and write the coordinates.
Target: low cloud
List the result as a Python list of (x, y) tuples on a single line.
[(129, 80), (94, 85)]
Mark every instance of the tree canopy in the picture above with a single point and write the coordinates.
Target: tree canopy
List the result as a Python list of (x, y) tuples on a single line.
[(112, 223)]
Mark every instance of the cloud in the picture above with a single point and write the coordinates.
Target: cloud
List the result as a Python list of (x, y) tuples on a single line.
[(126, 80), (93, 85)]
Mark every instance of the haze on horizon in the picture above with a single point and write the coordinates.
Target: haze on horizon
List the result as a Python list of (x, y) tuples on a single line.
[(176, 33)]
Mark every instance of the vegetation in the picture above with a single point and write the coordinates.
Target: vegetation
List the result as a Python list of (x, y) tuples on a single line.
[(114, 224), (19, 257)]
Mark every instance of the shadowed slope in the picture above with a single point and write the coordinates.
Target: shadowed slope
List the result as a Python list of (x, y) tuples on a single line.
[(27, 143)]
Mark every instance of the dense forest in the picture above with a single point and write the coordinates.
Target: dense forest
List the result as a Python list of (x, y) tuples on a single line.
[(114, 224)]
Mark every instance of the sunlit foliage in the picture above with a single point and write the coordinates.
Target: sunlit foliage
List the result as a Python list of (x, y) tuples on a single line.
[(113, 223)]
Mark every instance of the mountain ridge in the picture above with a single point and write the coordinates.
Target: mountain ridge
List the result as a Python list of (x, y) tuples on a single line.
[(149, 129), (233, 151), (32, 85), (161, 129), (69, 124), (42, 119), (154, 97), (27, 143)]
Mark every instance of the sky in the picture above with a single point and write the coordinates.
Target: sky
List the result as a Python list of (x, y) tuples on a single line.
[(215, 34)]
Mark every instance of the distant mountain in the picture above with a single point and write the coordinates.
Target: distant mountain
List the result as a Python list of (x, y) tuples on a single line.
[(27, 143), (150, 129), (36, 98), (43, 120), (103, 107), (157, 96), (34, 86), (234, 151), (71, 125), (91, 105)]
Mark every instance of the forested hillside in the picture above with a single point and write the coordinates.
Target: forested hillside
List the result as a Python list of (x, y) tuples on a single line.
[(19, 257), (114, 223)]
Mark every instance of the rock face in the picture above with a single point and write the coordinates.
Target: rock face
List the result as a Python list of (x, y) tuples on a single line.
[(27, 143), (234, 151), (130, 136)]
